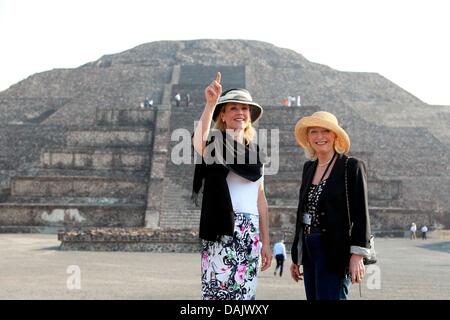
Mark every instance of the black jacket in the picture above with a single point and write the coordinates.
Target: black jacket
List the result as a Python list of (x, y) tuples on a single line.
[(332, 202), (217, 215)]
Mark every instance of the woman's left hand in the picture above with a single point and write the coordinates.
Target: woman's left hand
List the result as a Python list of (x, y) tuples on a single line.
[(266, 256), (356, 268)]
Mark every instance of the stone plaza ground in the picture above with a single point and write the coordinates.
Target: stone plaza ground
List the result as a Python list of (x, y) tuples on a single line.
[(32, 267)]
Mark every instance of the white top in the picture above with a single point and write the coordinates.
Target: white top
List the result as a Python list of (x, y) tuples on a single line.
[(424, 229), (243, 193), (279, 248)]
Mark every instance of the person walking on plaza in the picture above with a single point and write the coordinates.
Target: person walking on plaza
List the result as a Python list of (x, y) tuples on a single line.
[(234, 225), (413, 231), (279, 252), (424, 231), (332, 234)]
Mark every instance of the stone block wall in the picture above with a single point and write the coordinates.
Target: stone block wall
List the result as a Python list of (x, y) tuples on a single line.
[(131, 239), (93, 177), (67, 216), (136, 117), (94, 187), (20, 145), (116, 158), (26, 110), (106, 137)]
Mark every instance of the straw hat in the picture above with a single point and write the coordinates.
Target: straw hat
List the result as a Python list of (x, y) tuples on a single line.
[(326, 120), (238, 95)]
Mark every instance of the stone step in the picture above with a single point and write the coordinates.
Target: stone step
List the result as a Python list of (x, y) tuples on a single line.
[(177, 220), (392, 218), (293, 148), (76, 186), (284, 117), (273, 116), (170, 204), (32, 229), (91, 158), (4, 193), (283, 187), (108, 137), (131, 239), (283, 176), (109, 173), (290, 161), (282, 216), (381, 218), (71, 215), (125, 117), (63, 200), (282, 201), (173, 217), (179, 223), (185, 117), (286, 137), (385, 203), (294, 202), (232, 76)]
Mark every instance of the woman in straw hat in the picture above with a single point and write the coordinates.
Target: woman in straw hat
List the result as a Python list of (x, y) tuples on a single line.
[(233, 220), (329, 248)]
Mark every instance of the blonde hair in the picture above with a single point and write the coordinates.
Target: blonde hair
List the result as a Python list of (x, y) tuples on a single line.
[(310, 153), (249, 131)]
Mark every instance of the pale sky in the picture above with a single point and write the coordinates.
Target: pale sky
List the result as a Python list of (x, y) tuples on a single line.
[(406, 41)]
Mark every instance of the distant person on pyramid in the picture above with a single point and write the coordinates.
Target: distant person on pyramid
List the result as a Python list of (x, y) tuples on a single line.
[(332, 234), (148, 102), (234, 212), (177, 99)]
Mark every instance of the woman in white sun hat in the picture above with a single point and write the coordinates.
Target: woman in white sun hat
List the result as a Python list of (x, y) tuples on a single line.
[(234, 219), (329, 246)]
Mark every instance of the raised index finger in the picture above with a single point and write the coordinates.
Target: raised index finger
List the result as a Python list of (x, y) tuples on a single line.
[(218, 76)]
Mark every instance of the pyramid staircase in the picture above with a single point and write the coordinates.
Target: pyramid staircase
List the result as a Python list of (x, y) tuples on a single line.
[(177, 207)]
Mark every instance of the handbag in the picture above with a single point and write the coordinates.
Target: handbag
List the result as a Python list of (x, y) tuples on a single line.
[(372, 257)]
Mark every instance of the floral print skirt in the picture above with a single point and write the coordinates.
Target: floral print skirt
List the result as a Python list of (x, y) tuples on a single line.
[(230, 266)]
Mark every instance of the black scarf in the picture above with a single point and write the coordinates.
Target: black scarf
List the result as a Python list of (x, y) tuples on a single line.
[(217, 215)]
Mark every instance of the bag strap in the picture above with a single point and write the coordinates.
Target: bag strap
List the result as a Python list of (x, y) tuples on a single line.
[(346, 197), (348, 209), (324, 174)]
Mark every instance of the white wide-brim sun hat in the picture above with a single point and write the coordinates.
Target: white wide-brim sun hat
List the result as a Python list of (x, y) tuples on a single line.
[(238, 95)]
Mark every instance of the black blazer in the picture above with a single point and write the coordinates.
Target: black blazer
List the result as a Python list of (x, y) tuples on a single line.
[(333, 204)]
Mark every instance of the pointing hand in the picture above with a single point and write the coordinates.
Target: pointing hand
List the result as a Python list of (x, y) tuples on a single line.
[(213, 91)]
